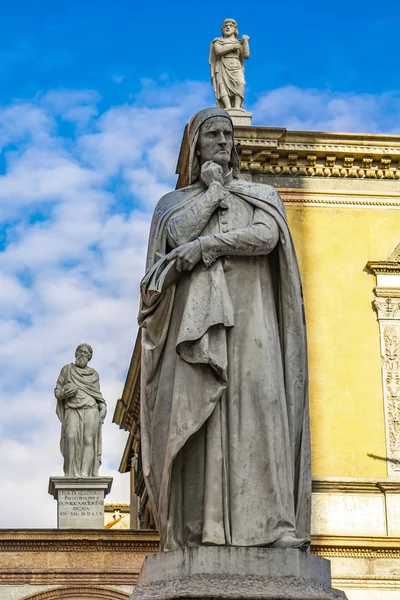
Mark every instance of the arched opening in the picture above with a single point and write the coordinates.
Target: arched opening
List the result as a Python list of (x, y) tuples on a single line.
[(79, 593)]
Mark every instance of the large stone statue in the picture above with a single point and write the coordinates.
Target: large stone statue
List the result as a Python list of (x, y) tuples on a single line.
[(81, 409), (227, 56), (225, 431)]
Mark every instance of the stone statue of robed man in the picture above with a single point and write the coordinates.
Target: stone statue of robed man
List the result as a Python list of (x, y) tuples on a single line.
[(81, 409), (226, 58), (224, 409)]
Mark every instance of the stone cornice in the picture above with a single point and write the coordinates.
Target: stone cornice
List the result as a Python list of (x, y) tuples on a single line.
[(309, 153), (386, 292), (57, 540), (384, 267), (355, 486), (126, 413), (127, 409), (355, 546), (339, 198), (123, 576)]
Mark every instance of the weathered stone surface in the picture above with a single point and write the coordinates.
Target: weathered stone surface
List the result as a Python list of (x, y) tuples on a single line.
[(80, 502), (228, 572), (228, 560), (225, 431)]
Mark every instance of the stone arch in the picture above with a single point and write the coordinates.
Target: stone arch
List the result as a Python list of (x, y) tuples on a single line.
[(79, 593)]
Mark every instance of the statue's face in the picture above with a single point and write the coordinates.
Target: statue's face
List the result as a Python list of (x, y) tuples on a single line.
[(216, 141), (228, 29), (82, 356)]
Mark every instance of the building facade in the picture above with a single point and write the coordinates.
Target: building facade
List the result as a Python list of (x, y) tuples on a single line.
[(51, 564)]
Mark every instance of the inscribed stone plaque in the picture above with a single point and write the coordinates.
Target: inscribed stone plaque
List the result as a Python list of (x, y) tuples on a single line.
[(80, 507)]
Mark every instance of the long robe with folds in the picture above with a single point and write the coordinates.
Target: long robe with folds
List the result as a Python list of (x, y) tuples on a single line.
[(224, 409)]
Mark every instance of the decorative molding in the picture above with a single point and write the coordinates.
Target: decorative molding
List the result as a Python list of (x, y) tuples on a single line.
[(390, 344), (369, 583), (278, 152), (319, 200), (384, 266), (119, 540), (80, 546), (128, 576), (383, 292), (387, 306), (345, 198), (79, 593), (356, 546), (353, 486)]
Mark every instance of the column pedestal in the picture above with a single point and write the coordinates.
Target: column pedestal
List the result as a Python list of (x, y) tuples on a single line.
[(80, 502), (235, 573)]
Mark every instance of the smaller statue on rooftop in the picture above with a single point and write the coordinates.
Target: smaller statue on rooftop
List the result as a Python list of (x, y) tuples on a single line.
[(227, 56)]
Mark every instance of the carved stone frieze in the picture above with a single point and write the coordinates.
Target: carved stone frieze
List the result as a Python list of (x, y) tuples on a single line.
[(391, 380), (310, 165), (387, 307), (314, 154)]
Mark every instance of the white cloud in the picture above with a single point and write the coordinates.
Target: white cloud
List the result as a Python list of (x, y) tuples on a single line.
[(325, 110), (76, 106), (24, 121)]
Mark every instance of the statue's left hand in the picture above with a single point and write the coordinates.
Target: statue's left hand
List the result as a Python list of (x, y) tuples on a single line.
[(245, 37), (187, 256)]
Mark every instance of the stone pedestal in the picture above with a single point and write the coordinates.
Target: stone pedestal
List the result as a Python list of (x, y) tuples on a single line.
[(240, 116), (80, 502), (231, 572)]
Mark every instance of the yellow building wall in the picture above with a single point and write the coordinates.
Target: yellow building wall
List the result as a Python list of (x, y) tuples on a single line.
[(333, 245)]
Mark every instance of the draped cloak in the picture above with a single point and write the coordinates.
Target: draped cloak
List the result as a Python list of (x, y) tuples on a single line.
[(200, 372), (72, 414)]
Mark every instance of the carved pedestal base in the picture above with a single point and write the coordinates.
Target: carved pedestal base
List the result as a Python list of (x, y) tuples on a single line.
[(80, 502), (240, 116), (235, 573)]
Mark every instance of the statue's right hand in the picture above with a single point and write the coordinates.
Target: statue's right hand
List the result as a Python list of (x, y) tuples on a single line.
[(211, 173)]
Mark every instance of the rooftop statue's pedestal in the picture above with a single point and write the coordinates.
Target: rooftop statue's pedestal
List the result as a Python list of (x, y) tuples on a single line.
[(80, 501), (240, 116), (235, 572)]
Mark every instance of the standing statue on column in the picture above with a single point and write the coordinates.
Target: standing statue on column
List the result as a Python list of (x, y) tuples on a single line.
[(224, 408), (227, 56), (81, 409)]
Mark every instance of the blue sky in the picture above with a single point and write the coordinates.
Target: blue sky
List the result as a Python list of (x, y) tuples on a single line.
[(344, 46), (93, 100)]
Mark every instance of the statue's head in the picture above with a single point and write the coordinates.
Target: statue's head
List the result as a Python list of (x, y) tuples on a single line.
[(209, 136), (215, 141), (230, 26), (83, 354)]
